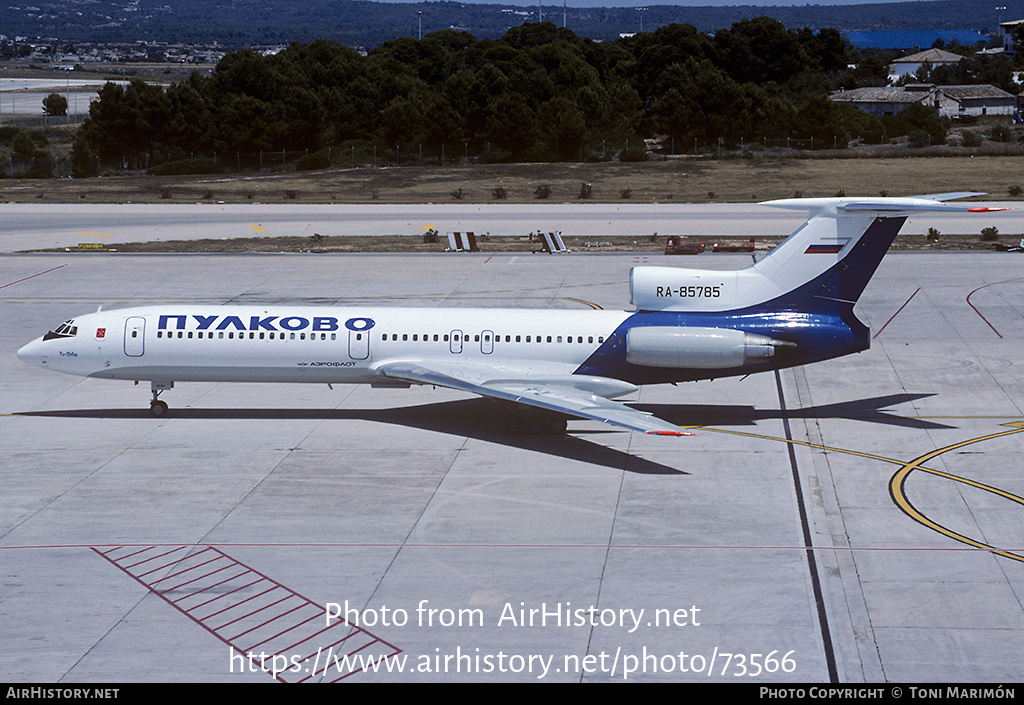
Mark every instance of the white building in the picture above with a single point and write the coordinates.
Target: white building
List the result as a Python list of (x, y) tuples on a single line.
[(910, 64), (949, 101), (1008, 30)]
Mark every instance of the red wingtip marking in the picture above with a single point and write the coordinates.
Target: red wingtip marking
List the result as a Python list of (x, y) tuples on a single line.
[(670, 433), (987, 210)]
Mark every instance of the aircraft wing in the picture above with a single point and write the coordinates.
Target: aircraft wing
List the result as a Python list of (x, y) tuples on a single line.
[(573, 395)]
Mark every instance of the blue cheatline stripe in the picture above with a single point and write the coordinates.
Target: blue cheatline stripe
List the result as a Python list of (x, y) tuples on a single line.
[(817, 316)]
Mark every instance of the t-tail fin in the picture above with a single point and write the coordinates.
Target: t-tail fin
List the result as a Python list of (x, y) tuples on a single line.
[(827, 261)]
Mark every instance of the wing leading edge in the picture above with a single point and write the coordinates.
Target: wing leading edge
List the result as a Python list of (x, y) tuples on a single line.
[(582, 396)]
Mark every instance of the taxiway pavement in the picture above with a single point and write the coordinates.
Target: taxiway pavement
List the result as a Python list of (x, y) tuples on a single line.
[(28, 227), (833, 522)]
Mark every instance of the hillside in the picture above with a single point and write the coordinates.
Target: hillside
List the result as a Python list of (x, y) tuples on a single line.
[(238, 23)]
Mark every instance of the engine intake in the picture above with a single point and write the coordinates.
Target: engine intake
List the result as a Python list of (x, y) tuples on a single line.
[(697, 348)]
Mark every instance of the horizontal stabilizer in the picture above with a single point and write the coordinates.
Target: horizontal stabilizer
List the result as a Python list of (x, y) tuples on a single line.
[(952, 195), (884, 204)]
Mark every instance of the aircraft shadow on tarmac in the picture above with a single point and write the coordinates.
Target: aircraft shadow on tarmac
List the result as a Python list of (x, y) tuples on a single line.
[(870, 410), (483, 419)]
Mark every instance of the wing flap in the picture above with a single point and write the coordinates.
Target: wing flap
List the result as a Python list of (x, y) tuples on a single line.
[(573, 395)]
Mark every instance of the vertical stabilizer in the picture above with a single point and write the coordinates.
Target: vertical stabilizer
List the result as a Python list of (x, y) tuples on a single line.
[(828, 261)]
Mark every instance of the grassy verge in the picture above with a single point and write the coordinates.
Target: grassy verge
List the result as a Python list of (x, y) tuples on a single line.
[(681, 180)]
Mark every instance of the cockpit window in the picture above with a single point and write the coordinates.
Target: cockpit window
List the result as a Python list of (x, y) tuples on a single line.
[(67, 329)]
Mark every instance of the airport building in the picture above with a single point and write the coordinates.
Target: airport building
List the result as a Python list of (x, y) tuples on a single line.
[(949, 101)]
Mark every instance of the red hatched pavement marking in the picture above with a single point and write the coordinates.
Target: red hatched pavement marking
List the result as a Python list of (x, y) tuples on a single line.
[(271, 626)]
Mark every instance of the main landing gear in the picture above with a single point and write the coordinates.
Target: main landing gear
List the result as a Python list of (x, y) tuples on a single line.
[(528, 419), (552, 425), (157, 407)]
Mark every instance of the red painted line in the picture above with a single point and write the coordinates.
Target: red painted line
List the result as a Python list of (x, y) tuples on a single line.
[(291, 647), (237, 604), (314, 618), (201, 577), (256, 612), (189, 569), (135, 553), (25, 279), (159, 555), (323, 671), (979, 312), (896, 314), (263, 624), (163, 566), (158, 569), (201, 590)]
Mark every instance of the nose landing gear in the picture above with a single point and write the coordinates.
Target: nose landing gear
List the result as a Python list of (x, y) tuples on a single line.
[(157, 407)]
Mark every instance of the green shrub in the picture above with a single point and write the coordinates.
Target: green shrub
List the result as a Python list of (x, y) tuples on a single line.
[(1000, 133), (316, 160), (198, 165), (497, 156), (633, 155), (919, 138)]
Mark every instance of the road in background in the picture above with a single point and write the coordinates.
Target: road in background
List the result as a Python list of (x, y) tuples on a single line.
[(45, 226)]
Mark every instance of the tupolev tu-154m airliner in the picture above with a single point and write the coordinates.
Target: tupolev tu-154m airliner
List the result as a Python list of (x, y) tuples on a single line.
[(794, 306)]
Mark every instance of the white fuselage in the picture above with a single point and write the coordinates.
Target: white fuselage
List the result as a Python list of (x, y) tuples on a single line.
[(316, 344)]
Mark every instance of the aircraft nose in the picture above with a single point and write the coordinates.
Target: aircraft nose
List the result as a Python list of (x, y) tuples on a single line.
[(32, 353)]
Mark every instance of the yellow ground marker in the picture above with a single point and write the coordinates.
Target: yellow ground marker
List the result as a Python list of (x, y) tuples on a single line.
[(258, 228), (900, 497), (898, 480), (82, 232)]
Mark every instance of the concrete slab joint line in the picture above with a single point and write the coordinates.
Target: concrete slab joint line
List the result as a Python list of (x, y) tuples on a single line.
[(271, 627)]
